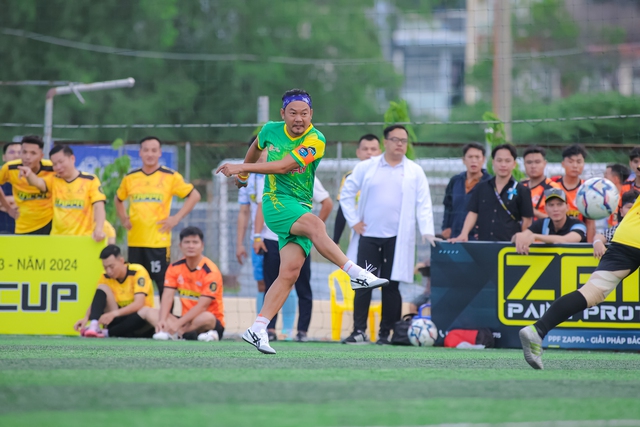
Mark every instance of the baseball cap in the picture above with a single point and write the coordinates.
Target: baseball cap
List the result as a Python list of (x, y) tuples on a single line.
[(550, 193)]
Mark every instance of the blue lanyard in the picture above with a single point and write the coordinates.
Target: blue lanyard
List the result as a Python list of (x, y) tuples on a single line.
[(511, 191)]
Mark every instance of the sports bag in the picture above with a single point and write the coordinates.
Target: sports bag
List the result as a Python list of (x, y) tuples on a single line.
[(401, 330)]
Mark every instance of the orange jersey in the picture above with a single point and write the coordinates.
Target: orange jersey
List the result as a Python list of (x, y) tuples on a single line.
[(73, 204), (150, 202), (35, 207), (537, 192), (204, 281), (571, 198), (137, 281), (627, 186)]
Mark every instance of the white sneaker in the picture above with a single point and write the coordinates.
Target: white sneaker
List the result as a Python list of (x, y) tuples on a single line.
[(209, 336), (259, 340), (165, 336), (367, 280)]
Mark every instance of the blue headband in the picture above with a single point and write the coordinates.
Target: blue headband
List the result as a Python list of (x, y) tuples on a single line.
[(289, 99)]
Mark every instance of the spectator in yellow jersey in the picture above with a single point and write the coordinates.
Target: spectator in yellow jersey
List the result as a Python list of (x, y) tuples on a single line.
[(148, 221), (78, 200), (33, 210), (10, 151), (122, 290)]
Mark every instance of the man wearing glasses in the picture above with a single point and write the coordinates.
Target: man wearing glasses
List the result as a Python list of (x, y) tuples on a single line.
[(394, 195)]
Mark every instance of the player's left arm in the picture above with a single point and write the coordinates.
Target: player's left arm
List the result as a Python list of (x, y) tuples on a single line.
[(326, 206), (572, 237), (98, 200), (523, 240), (181, 189), (526, 206), (322, 196), (134, 307)]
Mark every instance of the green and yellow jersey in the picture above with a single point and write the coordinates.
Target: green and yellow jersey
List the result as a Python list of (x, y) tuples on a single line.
[(307, 150)]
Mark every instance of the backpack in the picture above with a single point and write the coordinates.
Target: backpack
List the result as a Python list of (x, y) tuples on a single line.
[(401, 330)]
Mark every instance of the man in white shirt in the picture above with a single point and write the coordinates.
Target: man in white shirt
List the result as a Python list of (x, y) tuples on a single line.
[(268, 244), (394, 195), (248, 201)]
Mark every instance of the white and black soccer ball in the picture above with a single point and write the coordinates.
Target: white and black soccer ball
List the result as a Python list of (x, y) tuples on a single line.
[(597, 198), (422, 332)]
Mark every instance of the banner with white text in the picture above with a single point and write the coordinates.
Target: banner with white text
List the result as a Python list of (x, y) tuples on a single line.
[(489, 285), (46, 282)]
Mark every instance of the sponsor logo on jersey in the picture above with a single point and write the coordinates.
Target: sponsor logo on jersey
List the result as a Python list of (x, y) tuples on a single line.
[(69, 204), (147, 197), (31, 196)]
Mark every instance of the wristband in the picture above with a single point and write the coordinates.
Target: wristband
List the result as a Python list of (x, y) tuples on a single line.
[(257, 235), (257, 239), (597, 240), (243, 178)]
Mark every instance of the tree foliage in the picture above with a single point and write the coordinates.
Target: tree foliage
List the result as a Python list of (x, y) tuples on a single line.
[(189, 91), (110, 178), (495, 135), (398, 112)]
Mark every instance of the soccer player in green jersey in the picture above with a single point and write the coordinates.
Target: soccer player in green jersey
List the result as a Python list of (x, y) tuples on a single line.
[(295, 148)]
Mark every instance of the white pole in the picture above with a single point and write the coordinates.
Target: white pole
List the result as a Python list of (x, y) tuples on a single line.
[(263, 109), (75, 89), (187, 161), (48, 122), (223, 223)]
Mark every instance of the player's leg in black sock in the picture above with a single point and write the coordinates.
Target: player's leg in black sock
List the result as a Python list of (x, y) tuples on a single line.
[(562, 309), (98, 305)]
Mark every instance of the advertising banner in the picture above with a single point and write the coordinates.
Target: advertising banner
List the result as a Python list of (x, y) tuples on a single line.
[(489, 285), (90, 157), (46, 282)]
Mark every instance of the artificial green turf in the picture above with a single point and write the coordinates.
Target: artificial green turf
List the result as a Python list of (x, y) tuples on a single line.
[(72, 381)]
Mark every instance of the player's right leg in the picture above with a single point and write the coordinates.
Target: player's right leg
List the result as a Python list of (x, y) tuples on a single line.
[(103, 302), (257, 261), (312, 227), (616, 264), (292, 257), (152, 315)]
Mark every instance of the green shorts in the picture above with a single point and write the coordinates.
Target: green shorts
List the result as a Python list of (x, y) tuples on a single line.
[(280, 212)]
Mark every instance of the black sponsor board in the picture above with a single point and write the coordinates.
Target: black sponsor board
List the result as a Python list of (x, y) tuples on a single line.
[(489, 285)]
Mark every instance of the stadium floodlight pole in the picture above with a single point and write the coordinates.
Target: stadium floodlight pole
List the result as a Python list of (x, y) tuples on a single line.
[(75, 89)]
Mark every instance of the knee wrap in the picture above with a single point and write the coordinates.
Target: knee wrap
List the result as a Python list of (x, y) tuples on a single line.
[(600, 285)]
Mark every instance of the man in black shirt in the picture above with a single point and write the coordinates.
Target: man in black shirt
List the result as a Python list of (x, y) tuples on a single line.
[(558, 228), (501, 206)]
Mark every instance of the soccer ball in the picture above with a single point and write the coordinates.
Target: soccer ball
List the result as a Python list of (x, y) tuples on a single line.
[(597, 198), (422, 332)]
